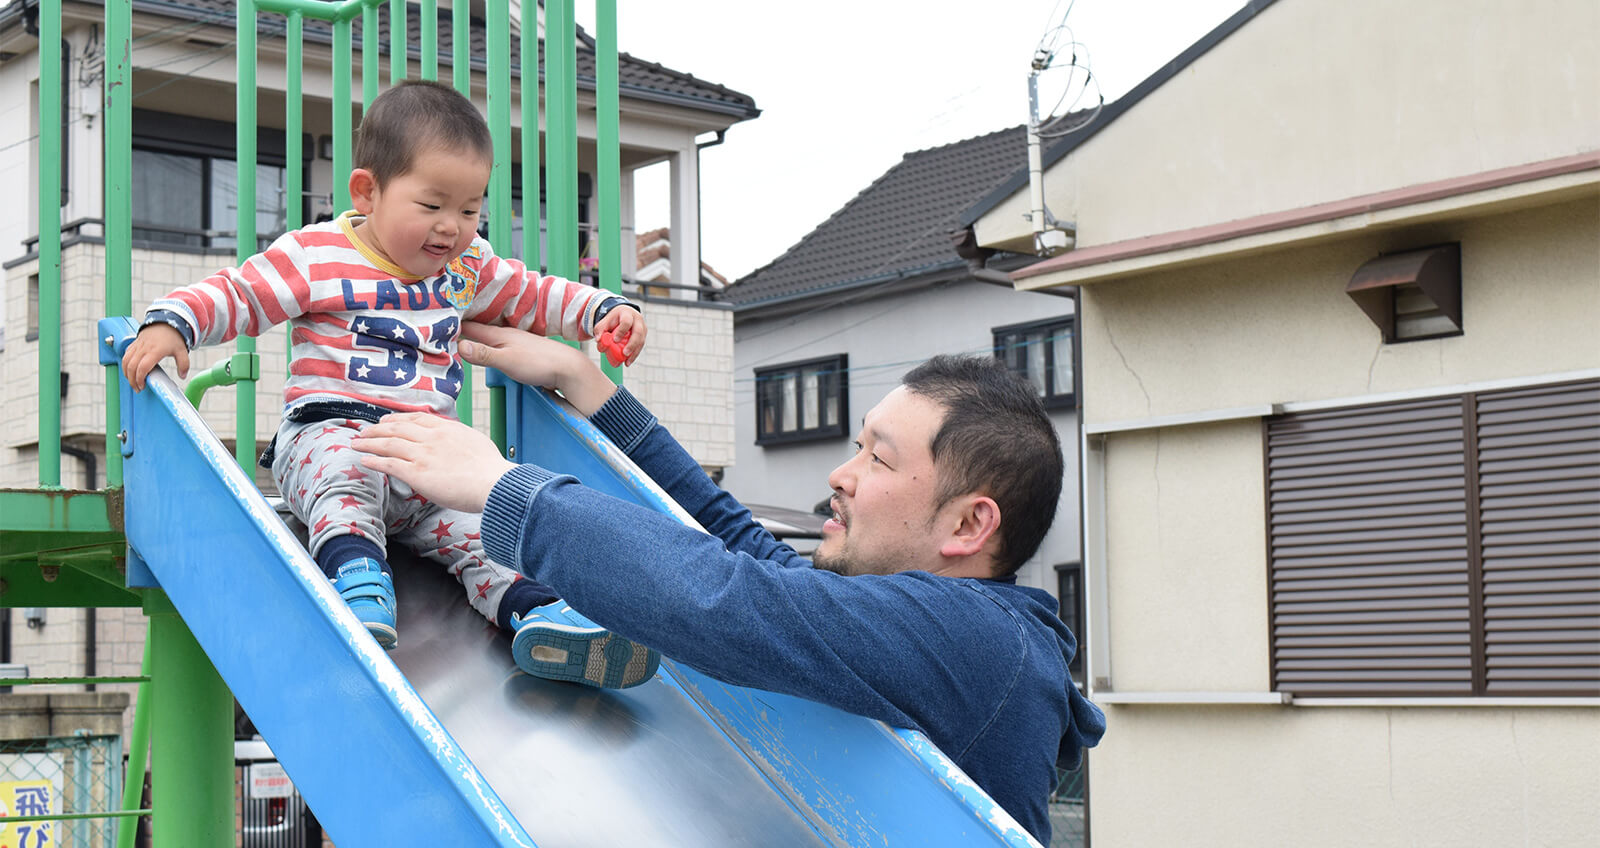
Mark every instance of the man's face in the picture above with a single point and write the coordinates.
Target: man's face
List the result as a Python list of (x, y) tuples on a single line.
[(883, 497)]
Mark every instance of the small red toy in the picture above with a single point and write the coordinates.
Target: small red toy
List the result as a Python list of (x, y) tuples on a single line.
[(612, 348)]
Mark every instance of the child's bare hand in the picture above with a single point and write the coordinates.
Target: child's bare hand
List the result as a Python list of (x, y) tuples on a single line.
[(625, 322), (154, 343)]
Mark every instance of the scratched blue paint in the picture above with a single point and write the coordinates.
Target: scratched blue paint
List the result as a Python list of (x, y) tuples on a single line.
[(351, 731), (856, 781)]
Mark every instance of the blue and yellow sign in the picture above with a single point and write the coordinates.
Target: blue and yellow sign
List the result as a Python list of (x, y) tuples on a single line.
[(26, 798)]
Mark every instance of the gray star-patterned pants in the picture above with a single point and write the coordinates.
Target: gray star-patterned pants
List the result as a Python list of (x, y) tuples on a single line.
[(326, 486)]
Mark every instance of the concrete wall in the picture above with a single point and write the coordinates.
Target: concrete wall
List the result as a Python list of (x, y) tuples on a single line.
[(1312, 101), (884, 338)]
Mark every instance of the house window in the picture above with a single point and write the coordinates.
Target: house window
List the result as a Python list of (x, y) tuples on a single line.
[(31, 331), (1069, 589), (193, 200), (1041, 352), (185, 182), (1439, 547), (802, 401)]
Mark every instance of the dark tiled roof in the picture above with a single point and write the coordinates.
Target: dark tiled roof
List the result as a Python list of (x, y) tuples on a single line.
[(897, 227), (636, 77)]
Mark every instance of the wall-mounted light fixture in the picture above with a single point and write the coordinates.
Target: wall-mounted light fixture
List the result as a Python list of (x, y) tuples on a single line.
[(1412, 295), (34, 616)]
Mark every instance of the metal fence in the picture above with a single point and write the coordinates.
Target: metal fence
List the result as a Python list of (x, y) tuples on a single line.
[(55, 791)]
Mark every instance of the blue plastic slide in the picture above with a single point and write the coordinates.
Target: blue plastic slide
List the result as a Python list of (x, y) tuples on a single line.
[(443, 742)]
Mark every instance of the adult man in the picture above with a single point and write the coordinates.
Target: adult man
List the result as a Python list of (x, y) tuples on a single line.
[(911, 614)]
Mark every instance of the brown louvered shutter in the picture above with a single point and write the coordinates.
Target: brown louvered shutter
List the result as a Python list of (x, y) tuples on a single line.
[(1368, 566), (1538, 461)]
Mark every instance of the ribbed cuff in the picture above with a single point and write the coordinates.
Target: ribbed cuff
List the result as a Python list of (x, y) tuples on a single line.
[(173, 320), (623, 419), (505, 515)]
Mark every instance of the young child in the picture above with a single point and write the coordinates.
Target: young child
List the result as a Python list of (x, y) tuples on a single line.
[(375, 300)]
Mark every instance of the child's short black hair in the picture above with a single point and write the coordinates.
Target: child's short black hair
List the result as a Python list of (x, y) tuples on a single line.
[(413, 116)]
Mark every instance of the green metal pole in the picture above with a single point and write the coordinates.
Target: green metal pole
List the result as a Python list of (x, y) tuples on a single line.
[(532, 221), (244, 448), (369, 57), (192, 728), (294, 171), (397, 40), (561, 117), (341, 115), (608, 156), (430, 40), (118, 203), (138, 746), (49, 243), (460, 41)]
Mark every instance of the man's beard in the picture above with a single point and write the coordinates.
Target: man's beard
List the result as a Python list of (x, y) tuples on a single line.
[(842, 563)]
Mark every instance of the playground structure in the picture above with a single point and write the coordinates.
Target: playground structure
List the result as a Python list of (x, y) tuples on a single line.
[(438, 743)]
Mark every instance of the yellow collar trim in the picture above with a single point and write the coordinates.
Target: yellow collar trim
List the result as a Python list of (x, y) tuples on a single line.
[(347, 224)]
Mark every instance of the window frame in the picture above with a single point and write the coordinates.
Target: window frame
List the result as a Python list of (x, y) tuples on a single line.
[(840, 429), (213, 141), (1053, 400)]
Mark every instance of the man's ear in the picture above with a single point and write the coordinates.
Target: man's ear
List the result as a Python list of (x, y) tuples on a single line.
[(363, 191), (977, 520)]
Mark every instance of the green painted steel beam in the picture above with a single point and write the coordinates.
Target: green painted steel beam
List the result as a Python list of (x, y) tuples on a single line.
[(244, 427), (118, 214), (460, 68), (341, 116), (316, 9), (59, 511), (192, 727), (561, 121), (430, 40), (397, 40), (50, 141), (608, 157), (293, 121), (138, 749), (369, 63), (28, 585)]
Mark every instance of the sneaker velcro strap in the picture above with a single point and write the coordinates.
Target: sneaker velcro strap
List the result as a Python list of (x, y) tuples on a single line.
[(363, 578), (355, 593)]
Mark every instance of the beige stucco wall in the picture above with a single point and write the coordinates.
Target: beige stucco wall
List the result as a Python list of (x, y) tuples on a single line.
[(1313, 101), (1279, 327), (1186, 562), (1187, 584), (1376, 777)]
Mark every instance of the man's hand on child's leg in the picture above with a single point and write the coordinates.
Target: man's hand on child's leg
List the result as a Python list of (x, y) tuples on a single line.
[(154, 343)]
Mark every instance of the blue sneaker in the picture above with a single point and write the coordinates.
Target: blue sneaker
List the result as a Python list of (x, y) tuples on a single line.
[(555, 642), (370, 594)]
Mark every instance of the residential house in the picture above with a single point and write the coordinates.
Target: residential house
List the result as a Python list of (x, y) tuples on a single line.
[(827, 329), (184, 205), (1340, 292)]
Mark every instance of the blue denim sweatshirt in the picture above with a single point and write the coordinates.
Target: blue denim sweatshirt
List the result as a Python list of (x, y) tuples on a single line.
[(978, 666)]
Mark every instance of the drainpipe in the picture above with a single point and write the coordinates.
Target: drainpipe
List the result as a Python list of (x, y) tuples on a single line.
[(699, 224), (91, 639)]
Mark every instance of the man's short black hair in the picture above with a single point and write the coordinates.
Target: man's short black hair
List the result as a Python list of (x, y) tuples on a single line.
[(995, 440), (414, 116)]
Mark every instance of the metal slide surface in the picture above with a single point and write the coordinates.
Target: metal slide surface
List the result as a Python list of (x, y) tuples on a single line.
[(442, 742)]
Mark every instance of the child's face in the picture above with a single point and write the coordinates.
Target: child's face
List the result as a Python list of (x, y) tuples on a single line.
[(427, 216)]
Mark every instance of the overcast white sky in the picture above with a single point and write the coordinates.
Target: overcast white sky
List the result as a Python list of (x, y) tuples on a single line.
[(848, 88)]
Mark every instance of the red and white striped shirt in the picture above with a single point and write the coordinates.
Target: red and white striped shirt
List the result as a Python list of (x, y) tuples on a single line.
[(363, 329)]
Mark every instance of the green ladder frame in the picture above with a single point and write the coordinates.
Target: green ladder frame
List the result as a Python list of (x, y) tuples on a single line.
[(65, 548)]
